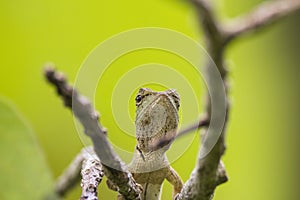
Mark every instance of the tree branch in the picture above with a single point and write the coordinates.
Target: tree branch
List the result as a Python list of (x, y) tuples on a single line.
[(91, 170), (213, 34), (210, 171), (114, 169), (92, 174), (163, 141), (263, 15)]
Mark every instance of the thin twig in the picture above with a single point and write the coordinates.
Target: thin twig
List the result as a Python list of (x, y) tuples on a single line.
[(200, 124), (114, 169), (263, 15), (70, 176), (196, 126)]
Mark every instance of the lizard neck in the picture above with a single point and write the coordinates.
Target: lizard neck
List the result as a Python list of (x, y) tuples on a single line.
[(143, 162)]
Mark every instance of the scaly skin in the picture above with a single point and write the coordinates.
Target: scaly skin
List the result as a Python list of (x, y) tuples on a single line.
[(156, 119)]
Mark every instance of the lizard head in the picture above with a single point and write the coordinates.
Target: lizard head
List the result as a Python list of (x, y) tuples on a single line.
[(156, 117)]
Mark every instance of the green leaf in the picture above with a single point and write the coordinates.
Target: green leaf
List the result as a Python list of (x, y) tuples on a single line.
[(24, 173)]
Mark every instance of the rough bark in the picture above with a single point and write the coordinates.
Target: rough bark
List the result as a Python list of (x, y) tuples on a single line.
[(92, 174), (210, 171), (113, 168)]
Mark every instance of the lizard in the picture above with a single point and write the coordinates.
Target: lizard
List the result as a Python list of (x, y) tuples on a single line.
[(156, 118)]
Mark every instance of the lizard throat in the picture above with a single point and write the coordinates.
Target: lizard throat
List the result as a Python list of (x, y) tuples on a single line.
[(147, 162)]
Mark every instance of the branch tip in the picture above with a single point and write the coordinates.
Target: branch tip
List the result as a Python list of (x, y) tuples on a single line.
[(263, 15)]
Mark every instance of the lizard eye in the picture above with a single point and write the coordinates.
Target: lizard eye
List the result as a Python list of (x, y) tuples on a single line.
[(138, 99)]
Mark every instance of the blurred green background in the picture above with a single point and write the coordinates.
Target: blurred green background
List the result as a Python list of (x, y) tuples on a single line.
[(262, 156)]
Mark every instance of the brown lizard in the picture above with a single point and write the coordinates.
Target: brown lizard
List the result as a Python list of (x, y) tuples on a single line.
[(156, 119)]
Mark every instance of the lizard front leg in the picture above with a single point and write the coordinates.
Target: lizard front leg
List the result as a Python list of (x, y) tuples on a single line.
[(175, 180), (152, 182)]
